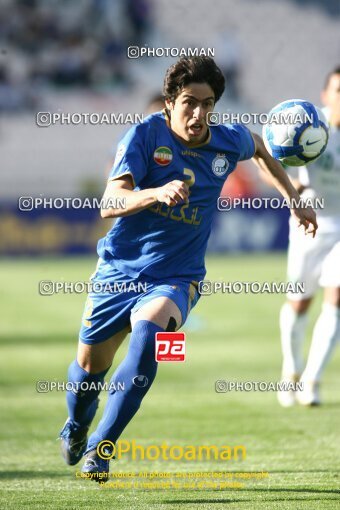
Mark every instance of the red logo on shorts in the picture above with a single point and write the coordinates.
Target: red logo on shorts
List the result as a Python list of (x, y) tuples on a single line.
[(170, 346)]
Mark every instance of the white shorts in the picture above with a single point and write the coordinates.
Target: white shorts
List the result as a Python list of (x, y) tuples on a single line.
[(313, 262)]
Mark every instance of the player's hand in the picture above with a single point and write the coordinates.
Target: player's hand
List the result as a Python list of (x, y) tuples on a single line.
[(306, 217), (173, 193)]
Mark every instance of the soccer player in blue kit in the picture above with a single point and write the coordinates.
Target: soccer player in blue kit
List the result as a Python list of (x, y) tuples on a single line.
[(170, 170)]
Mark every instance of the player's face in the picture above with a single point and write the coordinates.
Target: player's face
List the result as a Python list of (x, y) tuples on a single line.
[(189, 112), (331, 98)]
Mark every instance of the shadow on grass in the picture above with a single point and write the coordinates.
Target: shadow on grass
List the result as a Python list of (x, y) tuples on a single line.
[(225, 501)]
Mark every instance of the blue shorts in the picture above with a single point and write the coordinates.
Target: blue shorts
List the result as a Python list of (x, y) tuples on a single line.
[(115, 296)]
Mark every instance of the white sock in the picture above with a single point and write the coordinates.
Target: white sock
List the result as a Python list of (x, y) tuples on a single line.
[(325, 335), (293, 328)]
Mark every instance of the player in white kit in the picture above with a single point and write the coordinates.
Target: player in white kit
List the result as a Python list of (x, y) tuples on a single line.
[(316, 262)]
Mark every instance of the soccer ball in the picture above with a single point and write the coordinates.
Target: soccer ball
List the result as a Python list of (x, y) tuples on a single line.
[(296, 132)]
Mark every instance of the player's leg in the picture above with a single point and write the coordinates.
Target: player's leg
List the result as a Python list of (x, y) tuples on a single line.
[(85, 376), (105, 323), (326, 334), (304, 267), (293, 323), (89, 369), (138, 369), (326, 331)]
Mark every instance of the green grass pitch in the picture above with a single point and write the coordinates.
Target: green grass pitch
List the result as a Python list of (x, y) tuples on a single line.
[(232, 337)]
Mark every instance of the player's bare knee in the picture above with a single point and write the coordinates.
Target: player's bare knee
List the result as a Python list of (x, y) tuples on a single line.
[(300, 307), (91, 362), (97, 358)]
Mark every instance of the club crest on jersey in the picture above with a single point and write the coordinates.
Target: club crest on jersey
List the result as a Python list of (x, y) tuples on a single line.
[(163, 156), (220, 165)]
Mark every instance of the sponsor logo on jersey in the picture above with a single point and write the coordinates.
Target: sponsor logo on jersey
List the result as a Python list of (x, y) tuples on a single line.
[(163, 156), (220, 165)]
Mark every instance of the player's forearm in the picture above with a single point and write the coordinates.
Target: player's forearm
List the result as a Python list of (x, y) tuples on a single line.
[(268, 179), (280, 179), (298, 186), (273, 168), (132, 202)]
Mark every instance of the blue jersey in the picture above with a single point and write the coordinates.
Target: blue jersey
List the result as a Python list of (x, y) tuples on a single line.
[(161, 241)]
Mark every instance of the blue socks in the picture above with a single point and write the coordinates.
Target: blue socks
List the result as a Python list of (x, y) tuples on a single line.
[(82, 404), (137, 371)]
